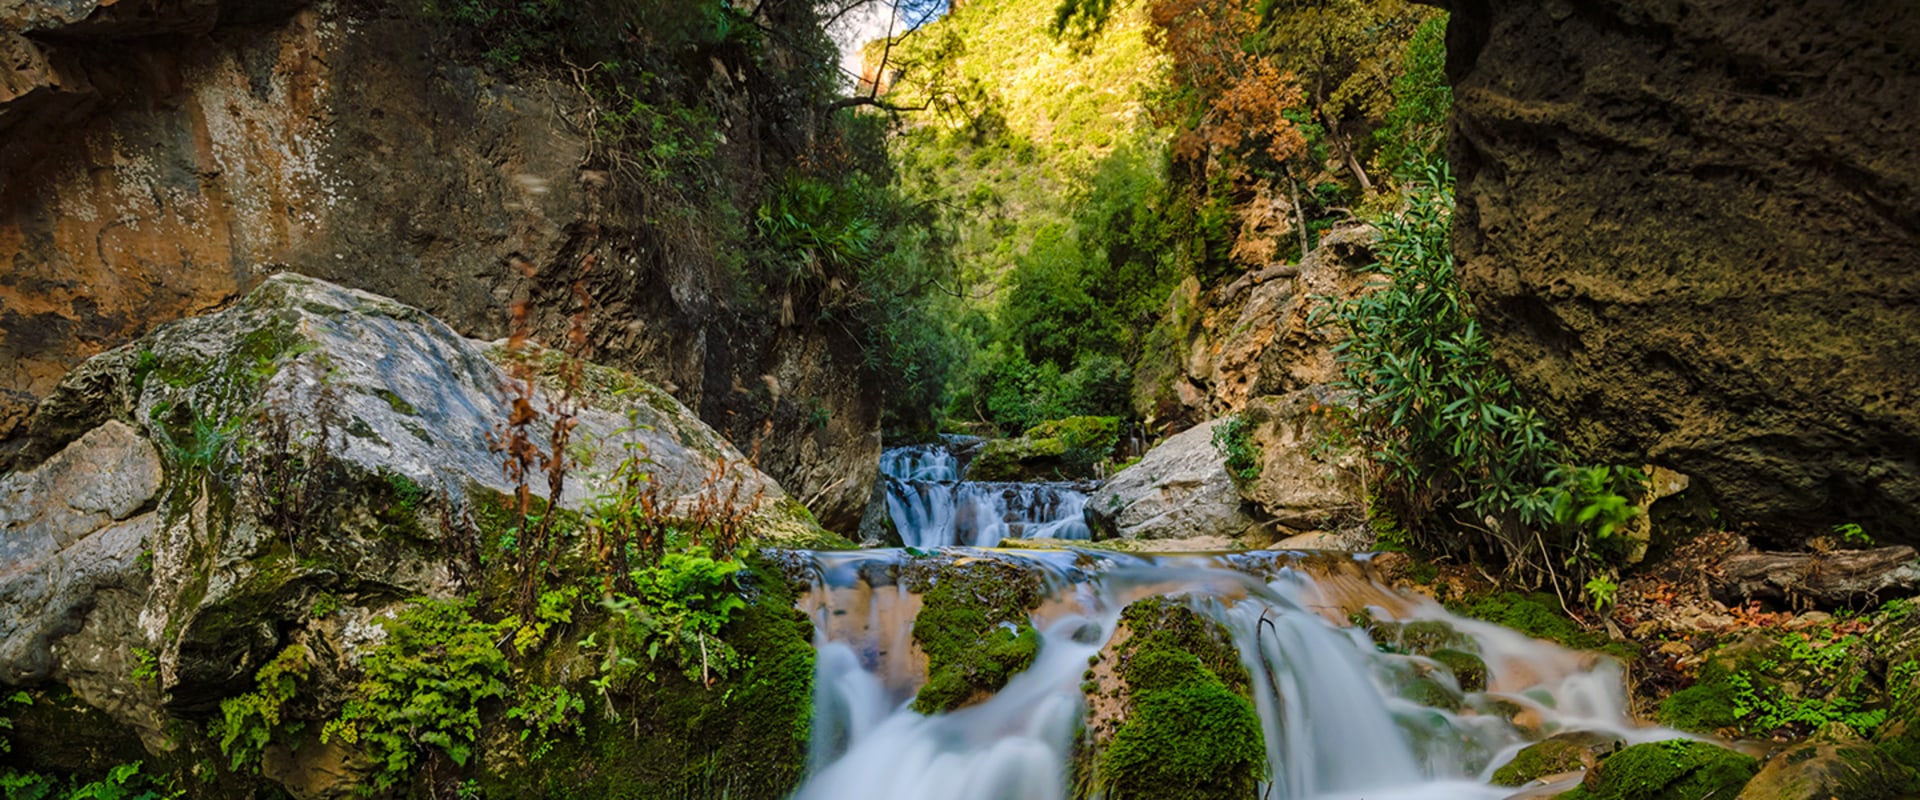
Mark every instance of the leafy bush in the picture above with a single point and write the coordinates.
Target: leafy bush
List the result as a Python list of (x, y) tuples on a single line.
[(249, 722), (1233, 437), (546, 711), (1430, 407), (674, 616), (424, 687), (122, 782), (1463, 464)]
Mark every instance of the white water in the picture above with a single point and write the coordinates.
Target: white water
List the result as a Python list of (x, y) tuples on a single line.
[(1335, 726), (932, 507)]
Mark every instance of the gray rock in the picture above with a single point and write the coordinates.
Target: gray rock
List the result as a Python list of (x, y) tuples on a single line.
[(1178, 490), (67, 531), (309, 440)]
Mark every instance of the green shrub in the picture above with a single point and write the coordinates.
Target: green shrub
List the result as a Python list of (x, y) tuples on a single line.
[(674, 617), (1463, 464), (424, 688), (249, 722), (1233, 437)]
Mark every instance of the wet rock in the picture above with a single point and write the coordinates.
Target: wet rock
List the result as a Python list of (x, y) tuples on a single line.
[(1180, 489), (1558, 754), (1688, 228), (1468, 670), (1834, 765)]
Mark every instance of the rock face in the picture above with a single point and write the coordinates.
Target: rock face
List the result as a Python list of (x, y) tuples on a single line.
[(1250, 338), (1690, 229), (193, 494), (1178, 490), (1305, 483), (160, 159)]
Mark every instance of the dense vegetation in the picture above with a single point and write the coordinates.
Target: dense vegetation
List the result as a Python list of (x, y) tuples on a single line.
[(797, 217), (1090, 157)]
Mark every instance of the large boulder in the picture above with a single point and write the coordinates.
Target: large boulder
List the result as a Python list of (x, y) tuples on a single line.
[(1179, 490), (1306, 481), (158, 159), (1835, 765), (289, 469), (1690, 226)]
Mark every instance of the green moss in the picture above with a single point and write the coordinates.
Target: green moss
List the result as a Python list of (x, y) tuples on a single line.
[(396, 402), (1677, 769), (1705, 707), (1426, 691), (1190, 731), (973, 626), (1018, 459), (1541, 759), (1094, 434), (1538, 615), (744, 736), (1426, 637), (1468, 669)]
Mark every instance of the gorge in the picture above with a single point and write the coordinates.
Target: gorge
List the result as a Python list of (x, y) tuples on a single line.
[(1174, 399)]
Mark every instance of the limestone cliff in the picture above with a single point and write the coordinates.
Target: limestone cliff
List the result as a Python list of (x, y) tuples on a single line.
[(1690, 227), (158, 159)]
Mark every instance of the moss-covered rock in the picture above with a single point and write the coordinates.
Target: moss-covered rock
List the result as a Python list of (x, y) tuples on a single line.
[(1676, 769), (743, 736), (1539, 615), (1561, 753), (1062, 449), (1468, 670), (974, 627), (1785, 683), (1833, 765), (1180, 723)]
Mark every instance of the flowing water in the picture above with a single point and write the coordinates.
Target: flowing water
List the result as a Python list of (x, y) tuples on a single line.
[(932, 507), (1335, 723)]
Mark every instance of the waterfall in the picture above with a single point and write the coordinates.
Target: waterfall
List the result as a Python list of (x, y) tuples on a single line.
[(1335, 724), (932, 507)]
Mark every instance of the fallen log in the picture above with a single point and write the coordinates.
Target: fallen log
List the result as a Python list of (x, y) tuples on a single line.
[(1820, 580)]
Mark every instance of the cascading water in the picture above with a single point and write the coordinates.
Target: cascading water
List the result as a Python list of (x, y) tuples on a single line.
[(1335, 723), (932, 507)]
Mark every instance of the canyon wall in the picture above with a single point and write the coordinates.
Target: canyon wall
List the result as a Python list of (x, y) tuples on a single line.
[(160, 157), (1690, 228)]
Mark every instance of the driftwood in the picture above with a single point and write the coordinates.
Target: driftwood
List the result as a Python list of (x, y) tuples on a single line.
[(1822, 580)]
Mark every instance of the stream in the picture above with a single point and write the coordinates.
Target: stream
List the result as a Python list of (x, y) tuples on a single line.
[(1334, 711)]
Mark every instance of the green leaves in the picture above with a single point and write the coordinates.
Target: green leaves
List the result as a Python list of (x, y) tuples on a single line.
[(675, 616), (424, 688), (248, 722)]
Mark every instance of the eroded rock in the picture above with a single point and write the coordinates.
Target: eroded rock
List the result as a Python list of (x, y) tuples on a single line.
[(1179, 490)]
